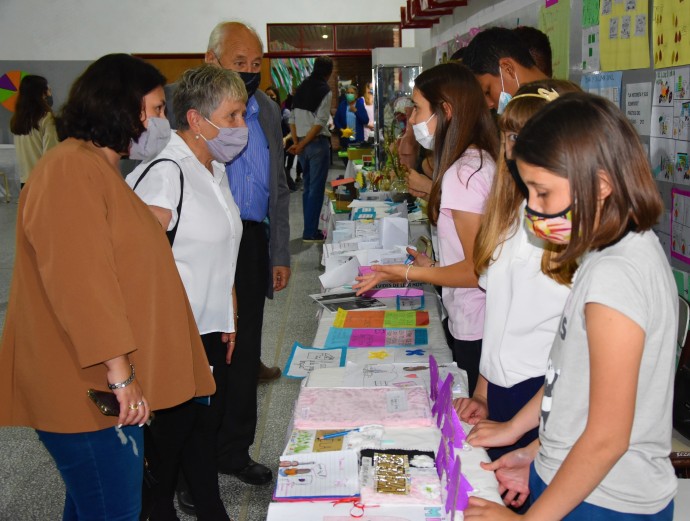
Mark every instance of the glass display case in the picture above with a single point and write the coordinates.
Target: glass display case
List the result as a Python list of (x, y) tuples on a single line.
[(394, 72)]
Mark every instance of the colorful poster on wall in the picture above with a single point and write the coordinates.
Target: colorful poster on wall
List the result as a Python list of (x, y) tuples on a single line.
[(670, 122), (590, 13), (623, 35), (590, 49), (554, 21), (605, 84), (680, 225), (638, 106), (670, 33)]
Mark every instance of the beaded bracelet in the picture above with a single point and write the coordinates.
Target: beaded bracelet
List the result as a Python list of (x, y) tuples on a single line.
[(121, 385)]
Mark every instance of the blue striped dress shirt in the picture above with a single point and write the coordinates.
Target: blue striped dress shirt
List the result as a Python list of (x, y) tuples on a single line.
[(248, 173)]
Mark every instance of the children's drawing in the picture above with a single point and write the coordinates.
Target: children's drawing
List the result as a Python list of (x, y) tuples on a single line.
[(303, 360)]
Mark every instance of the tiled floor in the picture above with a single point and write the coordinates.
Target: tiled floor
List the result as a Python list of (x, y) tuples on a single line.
[(30, 486)]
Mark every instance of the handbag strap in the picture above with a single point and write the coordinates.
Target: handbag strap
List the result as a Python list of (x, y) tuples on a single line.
[(171, 233)]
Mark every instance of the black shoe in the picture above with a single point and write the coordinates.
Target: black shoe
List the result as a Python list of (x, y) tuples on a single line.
[(253, 473), (316, 239), (185, 501)]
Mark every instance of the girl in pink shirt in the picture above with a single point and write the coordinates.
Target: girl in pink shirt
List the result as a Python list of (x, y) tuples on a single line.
[(450, 117)]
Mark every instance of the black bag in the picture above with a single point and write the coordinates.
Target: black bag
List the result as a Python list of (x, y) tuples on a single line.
[(171, 234)]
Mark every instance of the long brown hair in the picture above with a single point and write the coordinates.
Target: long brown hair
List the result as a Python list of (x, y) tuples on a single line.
[(31, 105), (469, 125), (501, 217), (583, 137)]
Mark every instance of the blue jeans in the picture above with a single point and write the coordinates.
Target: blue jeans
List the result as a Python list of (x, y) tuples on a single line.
[(588, 512), (102, 471), (315, 160)]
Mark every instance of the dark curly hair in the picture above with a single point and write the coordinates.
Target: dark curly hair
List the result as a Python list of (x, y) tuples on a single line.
[(106, 101), (31, 105)]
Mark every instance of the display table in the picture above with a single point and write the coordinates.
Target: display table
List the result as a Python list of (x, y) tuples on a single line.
[(410, 438)]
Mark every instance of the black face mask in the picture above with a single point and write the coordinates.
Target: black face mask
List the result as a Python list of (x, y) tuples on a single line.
[(49, 100), (515, 174), (251, 81)]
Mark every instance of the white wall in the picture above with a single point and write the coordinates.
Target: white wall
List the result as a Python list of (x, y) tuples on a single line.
[(480, 13), (87, 29)]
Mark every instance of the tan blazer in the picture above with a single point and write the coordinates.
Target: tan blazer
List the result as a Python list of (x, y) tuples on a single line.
[(94, 278)]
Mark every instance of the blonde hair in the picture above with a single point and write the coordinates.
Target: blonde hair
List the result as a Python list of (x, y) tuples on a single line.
[(501, 219)]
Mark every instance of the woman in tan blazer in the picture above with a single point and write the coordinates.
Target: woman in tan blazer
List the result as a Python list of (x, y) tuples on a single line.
[(96, 300)]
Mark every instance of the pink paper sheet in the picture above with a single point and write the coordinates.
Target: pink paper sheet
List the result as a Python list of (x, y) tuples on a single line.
[(342, 408)]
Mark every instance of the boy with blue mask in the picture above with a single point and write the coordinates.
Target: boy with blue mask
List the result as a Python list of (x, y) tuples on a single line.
[(501, 62)]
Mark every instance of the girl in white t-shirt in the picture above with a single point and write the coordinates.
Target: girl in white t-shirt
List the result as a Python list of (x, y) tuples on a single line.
[(604, 413), (450, 116)]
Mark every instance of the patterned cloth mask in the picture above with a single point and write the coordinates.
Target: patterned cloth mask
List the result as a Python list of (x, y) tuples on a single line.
[(555, 228)]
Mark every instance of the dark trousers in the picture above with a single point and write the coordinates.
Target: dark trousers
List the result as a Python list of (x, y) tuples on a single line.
[(251, 282), (506, 402), (466, 353), (185, 437)]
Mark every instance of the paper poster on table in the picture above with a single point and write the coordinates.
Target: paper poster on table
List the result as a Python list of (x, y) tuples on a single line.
[(605, 84), (554, 21), (303, 360), (590, 49), (623, 35), (347, 337), (680, 225), (318, 476), (638, 106), (670, 36), (387, 355)]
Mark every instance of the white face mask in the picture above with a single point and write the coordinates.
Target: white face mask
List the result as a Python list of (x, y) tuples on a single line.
[(504, 98), (422, 134), (152, 141)]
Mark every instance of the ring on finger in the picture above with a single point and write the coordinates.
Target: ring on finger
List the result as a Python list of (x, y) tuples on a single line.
[(133, 406), (141, 402)]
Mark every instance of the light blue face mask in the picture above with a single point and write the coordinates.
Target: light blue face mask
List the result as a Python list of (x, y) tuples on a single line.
[(504, 98)]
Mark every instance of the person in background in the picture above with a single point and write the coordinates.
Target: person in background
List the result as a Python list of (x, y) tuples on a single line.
[(257, 183), (209, 103), (288, 142), (96, 300), (604, 414), (32, 124), (309, 124), (273, 93), (351, 115), (539, 47), (367, 95), (501, 63), (450, 118)]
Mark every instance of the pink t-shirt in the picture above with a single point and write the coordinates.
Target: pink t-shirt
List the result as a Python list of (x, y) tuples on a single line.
[(465, 187)]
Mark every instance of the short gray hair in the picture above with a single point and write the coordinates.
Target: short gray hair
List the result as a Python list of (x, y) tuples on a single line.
[(215, 40), (203, 89)]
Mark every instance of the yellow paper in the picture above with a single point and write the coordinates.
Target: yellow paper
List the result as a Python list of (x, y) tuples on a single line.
[(340, 317), (670, 33), (623, 35), (400, 319), (554, 21)]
